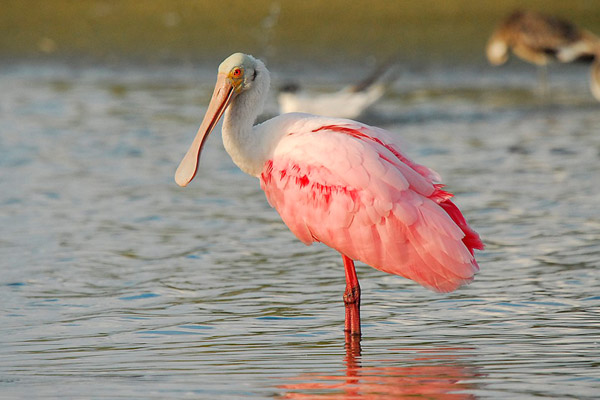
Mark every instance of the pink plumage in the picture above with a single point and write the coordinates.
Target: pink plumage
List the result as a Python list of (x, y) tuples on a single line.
[(349, 186)]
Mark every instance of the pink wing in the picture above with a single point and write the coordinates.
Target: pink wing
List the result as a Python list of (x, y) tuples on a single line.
[(348, 186)]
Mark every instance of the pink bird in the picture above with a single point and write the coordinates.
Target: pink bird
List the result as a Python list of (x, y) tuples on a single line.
[(342, 183)]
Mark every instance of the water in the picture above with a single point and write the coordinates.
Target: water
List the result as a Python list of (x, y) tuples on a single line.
[(116, 283)]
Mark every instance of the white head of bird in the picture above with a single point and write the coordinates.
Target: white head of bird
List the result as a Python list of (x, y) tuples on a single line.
[(497, 50), (240, 92)]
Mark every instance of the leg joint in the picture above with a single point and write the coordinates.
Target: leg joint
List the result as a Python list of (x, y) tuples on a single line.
[(352, 295)]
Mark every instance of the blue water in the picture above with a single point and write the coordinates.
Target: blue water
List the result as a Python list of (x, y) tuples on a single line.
[(116, 283)]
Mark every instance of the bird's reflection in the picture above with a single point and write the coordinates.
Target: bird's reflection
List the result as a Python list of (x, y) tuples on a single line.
[(434, 373)]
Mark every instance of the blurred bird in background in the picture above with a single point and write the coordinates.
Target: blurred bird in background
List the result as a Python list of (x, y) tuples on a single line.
[(352, 101), (540, 39)]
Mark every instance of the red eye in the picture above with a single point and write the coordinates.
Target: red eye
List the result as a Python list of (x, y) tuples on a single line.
[(237, 72)]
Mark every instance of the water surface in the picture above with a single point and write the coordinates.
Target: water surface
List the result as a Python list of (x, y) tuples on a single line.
[(116, 283)]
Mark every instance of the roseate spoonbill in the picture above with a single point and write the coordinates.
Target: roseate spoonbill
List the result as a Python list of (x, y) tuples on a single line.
[(349, 102), (341, 183), (539, 39)]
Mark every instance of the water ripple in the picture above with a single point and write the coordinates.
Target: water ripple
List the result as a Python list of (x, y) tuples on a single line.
[(118, 284)]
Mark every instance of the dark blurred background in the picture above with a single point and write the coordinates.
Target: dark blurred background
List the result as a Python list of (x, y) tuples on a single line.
[(202, 31)]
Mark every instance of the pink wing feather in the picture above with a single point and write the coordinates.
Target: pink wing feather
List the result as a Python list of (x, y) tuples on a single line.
[(348, 186)]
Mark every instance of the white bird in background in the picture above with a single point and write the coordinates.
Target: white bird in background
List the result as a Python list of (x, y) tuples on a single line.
[(350, 102)]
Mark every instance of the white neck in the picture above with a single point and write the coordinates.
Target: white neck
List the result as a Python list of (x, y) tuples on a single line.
[(248, 147)]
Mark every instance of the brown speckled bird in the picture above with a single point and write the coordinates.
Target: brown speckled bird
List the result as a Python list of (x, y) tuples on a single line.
[(540, 39)]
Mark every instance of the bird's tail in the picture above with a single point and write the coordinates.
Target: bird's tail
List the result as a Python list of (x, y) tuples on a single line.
[(471, 239), (376, 76), (587, 48)]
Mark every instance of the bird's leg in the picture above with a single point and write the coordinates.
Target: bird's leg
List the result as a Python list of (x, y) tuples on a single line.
[(351, 299), (353, 349), (543, 86), (353, 364)]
